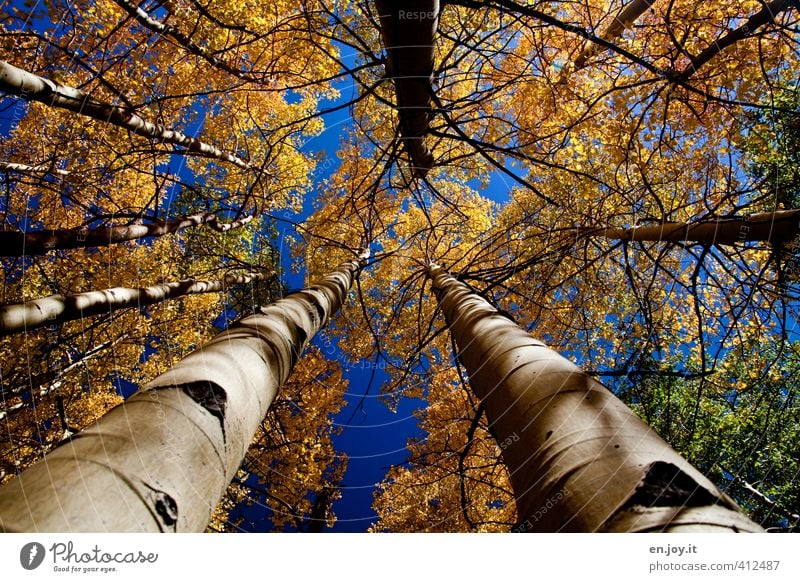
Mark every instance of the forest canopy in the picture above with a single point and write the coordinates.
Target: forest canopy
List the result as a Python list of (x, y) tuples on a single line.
[(618, 178)]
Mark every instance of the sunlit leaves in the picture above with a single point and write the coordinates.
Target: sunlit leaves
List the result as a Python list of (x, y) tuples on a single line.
[(533, 154)]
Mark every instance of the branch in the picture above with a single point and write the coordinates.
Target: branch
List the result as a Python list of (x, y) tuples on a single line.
[(764, 16)]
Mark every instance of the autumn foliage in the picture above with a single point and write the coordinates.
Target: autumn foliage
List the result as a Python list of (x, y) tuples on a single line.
[(618, 177)]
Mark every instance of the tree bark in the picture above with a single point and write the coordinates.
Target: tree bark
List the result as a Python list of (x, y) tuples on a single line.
[(579, 459), (161, 460), (26, 169), (14, 243), (19, 317), (623, 20), (35, 88), (774, 227), (408, 30)]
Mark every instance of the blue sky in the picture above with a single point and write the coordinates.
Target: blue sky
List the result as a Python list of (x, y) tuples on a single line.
[(372, 436)]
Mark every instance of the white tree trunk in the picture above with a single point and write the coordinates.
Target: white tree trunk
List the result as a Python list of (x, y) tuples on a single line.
[(579, 459), (17, 243), (781, 225), (26, 169), (35, 88), (162, 460), (20, 317), (623, 20)]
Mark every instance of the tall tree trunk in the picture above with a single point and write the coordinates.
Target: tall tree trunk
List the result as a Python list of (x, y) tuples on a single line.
[(778, 226), (408, 29), (26, 169), (161, 460), (623, 20), (579, 459), (35, 88), (15, 243), (19, 317)]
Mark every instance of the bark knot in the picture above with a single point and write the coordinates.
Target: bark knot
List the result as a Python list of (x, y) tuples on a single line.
[(166, 508), (210, 396), (666, 485)]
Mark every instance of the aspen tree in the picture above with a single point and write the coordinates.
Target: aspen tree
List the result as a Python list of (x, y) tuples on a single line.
[(579, 459), (17, 243), (161, 460), (19, 317), (32, 87)]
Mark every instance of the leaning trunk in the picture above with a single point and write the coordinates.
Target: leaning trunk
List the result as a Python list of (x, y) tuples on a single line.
[(35, 88), (162, 460), (774, 227), (19, 317), (579, 459), (14, 243), (26, 169)]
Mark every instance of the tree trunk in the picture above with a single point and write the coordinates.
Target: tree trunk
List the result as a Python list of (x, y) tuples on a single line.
[(19, 317), (34, 88), (161, 460), (773, 227), (579, 459), (408, 29), (623, 20), (26, 169), (14, 243)]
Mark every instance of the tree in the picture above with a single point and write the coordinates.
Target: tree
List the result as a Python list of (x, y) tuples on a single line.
[(408, 31), (28, 86), (571, 443), (21, 317), (115, 178), (555, 190), (11, 167), (15, 243), (209, 406), (775, 227)]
